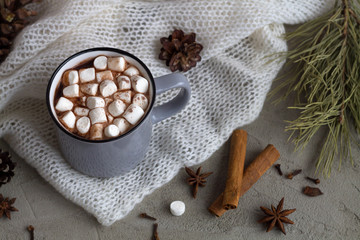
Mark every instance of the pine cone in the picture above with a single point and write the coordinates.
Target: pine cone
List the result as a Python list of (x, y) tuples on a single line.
[(6, 168), (13, 15), (180, 51)]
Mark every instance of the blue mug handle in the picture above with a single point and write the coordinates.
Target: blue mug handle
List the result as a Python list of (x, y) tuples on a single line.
[(175, 105)]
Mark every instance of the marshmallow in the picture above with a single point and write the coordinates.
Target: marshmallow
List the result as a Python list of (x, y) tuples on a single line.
[(81, 111), (116, 108), (133, 114), (108, 101), (107, 88), (131, 71), (139, 84), (100, 63), (95, 102), (111, 131), (82, 101), (140, 100), (71, 91), (177, 208), (109, 117), (64, 104), (83, 125), (116, 64), (104, 75), (97, 115), (96, 132), (122, 124), (124, 96), (90, 89), (71, 77), (68, 119), (87, 74), (124, 82)]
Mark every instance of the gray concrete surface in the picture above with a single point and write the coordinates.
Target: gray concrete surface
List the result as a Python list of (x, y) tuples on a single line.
[(334, 215)]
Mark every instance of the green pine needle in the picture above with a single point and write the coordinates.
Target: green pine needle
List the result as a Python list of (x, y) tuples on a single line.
[(326, 70)]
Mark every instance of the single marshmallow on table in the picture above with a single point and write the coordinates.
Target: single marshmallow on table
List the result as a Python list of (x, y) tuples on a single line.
[(81, 111), (131, 71), (90, 88), (125, 96), (122, 124), (133, 114), (107, 88), (140, 100), (95, 102), (71, 91), (139, 84), (69, 119), (124, 82), (177, 208), (100, 62), (71, 77), (64, 104), (111, 131), (97, 115), (116, 108), (87, 74), (83, 125), (104, 75), (116, 64), (96, 132)]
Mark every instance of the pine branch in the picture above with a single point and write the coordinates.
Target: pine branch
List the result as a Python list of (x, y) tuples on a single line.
[(326, 82)]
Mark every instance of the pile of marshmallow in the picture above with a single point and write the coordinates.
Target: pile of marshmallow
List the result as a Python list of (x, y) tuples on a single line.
[(102, 100)]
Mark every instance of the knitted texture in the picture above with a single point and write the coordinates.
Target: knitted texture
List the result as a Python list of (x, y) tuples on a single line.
[(229, 85)]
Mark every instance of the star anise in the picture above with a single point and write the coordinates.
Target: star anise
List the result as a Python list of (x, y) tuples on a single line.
[(6, 206), (180, 51), (277, 216), (196, 179), (6, 167)]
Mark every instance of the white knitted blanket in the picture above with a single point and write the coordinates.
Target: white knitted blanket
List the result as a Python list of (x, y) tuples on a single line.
[(229, 85)]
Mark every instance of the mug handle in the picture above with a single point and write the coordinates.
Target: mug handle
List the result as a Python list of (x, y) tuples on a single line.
[(165, 83)]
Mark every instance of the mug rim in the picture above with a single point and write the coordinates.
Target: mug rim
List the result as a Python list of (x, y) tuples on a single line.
[(122, 52)]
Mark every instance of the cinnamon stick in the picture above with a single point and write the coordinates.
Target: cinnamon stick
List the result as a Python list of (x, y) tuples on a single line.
[(259, 166), (235, 169), (216, 207), (252, 173)]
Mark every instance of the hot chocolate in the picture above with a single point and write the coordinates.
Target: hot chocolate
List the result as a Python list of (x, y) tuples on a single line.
[(101, 98)]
